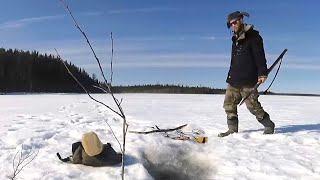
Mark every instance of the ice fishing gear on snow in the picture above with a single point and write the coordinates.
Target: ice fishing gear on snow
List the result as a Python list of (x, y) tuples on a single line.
[(91, 152), (178, 134), (158, 130), (274, 64), (202, 139), (279, 59), (196, 134)]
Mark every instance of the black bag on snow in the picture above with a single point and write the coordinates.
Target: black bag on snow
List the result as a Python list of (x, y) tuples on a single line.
[(100, 154)]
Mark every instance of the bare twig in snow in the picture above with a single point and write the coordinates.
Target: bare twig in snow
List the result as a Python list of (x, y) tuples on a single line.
[(21, 161)]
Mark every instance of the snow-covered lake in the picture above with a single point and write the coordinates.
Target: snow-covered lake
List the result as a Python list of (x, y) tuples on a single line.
[(50, 123)]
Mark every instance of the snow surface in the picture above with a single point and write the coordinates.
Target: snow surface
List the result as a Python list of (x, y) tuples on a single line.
[(50, 123)]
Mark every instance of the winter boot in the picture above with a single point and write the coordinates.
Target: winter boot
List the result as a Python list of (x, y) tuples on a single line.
[(233, 127), (268, 124)]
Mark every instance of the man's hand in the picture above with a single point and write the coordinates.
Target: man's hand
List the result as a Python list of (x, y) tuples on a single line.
[(262, 79)]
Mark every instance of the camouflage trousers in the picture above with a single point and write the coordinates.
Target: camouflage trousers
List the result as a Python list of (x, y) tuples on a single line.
[(233, 97)]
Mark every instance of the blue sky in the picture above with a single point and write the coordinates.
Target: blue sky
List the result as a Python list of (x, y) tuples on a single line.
[(182, 42)]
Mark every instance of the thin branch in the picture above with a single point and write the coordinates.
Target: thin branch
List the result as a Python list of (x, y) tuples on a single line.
[(23, 161), (114, 135), (83, 86), (125, 130), (111, 63), (166, 134), (85, 36), (120, 101), (97, 59), (106, 91), (158, 130), (13, 164), (102, 88), (28, 161)]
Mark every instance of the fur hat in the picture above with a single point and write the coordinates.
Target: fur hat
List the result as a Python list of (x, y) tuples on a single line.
[(91, 143), (235, 15)]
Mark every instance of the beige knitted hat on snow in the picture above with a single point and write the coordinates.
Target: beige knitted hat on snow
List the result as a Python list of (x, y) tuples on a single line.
[(91, 143)]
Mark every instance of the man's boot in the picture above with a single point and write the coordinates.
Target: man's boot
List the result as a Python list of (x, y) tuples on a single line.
[(232, 125), (268, 124)]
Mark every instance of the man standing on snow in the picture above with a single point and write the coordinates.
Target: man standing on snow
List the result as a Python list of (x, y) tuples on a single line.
[(248, 67)]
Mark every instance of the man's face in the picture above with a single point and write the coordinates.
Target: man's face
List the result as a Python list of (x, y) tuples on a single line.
[(236, 24)]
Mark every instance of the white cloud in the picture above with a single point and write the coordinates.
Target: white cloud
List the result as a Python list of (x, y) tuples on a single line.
[(27, 21), (91, 13), (295, 62), (302, 66), (210, 38)]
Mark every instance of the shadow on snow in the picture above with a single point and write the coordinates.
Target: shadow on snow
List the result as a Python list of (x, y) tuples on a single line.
[(292, 128)]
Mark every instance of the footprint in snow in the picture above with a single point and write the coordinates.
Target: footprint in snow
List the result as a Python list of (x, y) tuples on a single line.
[(17, 122), (63, 109), (13, 129), (40, 130), (48, 135), (26, 116), (21, 122)]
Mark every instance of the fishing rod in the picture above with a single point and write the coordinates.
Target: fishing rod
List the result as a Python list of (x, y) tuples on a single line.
[(269, 70)]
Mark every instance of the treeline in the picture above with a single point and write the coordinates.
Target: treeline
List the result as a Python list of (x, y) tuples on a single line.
[(158, 88), (32, 72), (25, 71)]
